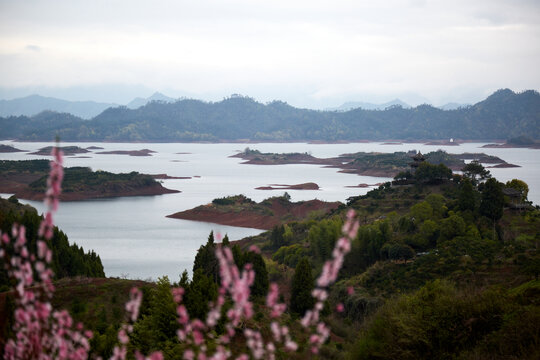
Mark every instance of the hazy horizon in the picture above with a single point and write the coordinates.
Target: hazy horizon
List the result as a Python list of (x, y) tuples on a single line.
[(310, 54)]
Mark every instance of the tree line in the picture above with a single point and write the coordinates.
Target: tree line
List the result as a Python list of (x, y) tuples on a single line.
[(503, 114)]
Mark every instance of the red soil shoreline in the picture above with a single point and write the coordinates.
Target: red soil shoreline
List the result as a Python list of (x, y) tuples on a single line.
[(258, 216)]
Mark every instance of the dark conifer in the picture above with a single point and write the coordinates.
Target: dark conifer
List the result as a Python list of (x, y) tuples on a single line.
[(492, 200), (302, 286)]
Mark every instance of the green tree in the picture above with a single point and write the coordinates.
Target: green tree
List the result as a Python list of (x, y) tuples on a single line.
[(260, 284), (163, 310), (225, 241), (452, 226), (492, 200), (276, 237), (466, 198), (301, 287), (475, 172), (206, 259), (520, 186), (399, 251), (421, 211), (200, 292), (531, 266), (431, 174)]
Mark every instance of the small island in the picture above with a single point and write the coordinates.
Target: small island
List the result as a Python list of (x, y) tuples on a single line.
[(67, 150), (143, 152), (27, 180), (364, 185), (369, 164), (450, 142), (9, 149), (304, 186), (523, 141), (243, 212), (168, 177)]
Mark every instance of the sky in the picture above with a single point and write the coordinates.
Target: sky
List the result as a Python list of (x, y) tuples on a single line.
[(309, 53)]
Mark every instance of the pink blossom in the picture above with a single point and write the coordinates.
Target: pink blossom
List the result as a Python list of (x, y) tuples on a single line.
[(340, 307), (132, 306), (178, 292), (122, 337), (189, 355)]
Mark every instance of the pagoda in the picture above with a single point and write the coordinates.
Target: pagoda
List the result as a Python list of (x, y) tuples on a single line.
[(417, 160)]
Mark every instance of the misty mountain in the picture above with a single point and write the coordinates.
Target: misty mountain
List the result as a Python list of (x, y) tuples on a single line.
[(34, 104), (157, 96), (502, 115), (350, 105), (452, 106)]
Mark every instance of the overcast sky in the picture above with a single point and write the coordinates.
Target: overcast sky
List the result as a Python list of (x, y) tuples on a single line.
[(309, 53)]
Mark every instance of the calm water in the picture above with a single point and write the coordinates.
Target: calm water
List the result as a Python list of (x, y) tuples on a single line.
[(136, 240)]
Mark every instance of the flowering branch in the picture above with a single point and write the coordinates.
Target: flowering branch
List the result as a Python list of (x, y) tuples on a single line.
[(40, 332)]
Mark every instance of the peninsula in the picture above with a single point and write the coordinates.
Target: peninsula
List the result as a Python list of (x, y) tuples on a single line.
[(243, 212), (27, 180)]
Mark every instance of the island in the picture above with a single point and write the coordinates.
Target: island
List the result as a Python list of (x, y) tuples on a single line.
[(364, 185), (450, 142), (523, 141), (304, 186), (9, 149), (241, 211), (168, 177), (143, 152), (369, 164), (27, 180), (67, 150)]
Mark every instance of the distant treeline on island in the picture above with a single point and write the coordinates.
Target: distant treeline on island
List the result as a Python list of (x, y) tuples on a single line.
[(502, 115)]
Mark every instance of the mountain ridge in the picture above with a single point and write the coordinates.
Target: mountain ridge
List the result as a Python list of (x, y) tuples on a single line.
[(502, 115)]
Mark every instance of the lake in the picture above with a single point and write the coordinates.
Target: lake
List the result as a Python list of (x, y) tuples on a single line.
[(134, 238)]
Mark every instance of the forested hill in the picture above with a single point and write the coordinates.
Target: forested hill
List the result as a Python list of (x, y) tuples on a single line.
[(502, 115)]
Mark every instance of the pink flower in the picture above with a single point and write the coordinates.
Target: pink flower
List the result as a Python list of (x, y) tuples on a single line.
[(189, 355), (122, 337), (132, 306), (340, 307)]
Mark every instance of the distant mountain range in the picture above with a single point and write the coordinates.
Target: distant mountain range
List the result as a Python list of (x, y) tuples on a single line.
[(34, 104), (351, 105), (502, 115), (157, 96), (452, 106)]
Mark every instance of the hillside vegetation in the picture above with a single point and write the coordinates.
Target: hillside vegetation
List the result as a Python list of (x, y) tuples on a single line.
[(502, 115), (443, 266)]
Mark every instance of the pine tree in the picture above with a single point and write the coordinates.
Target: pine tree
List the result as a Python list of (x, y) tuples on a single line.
[(200, 292), (492, 200), (276, 238), (206, 259), (466, 200), (302, 286), (260, 285), (163, 310), (225, 241), (184, 280)]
